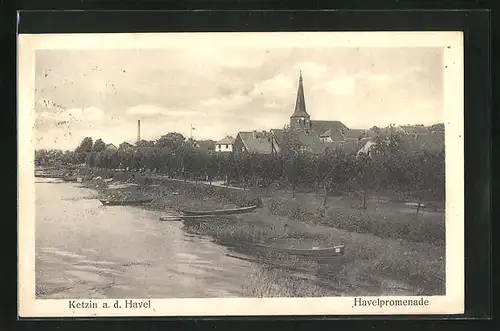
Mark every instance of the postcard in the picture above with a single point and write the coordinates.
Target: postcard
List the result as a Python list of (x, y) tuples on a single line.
[(240, 174)]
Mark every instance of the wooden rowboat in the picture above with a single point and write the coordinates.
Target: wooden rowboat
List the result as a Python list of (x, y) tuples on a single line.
[(310, 252), (174, 218), (134, 202), (219, 212)]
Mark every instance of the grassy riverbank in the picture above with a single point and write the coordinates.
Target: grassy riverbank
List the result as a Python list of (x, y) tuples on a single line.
[(388, 249)]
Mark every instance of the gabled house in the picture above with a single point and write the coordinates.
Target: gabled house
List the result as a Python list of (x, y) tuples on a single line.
[(309, 141), (125, 145), (110, 147), (255, 142), (224, 145)]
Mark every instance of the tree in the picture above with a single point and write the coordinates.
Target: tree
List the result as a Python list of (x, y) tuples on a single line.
[(426, 172), (110, 159), (83, 150), (145, 143), (172, 140), (367, 168), (290, 143), (268, 170), (85, 146), (99, 146), (211, 167), (291, 169)]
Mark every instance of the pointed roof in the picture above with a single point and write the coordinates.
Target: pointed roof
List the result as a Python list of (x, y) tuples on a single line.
[(227, 140), (256, 142), (300, 104)]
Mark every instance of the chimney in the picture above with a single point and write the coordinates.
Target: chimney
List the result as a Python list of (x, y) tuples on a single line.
[(138, 130)]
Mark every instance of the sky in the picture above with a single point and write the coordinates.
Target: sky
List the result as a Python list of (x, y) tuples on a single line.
[(221, 90)]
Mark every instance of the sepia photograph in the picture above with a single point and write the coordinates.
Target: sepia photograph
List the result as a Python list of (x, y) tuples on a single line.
[(240, 174)]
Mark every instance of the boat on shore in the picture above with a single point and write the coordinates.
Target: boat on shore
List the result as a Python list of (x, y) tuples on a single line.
[(176, 218), (125, 202), (45, 175), (307, 252), (232, 211)]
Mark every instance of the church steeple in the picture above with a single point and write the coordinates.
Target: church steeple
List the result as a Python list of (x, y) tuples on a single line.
[(300, 118)]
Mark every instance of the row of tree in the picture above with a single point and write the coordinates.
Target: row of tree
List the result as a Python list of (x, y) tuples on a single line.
[(389, 166)]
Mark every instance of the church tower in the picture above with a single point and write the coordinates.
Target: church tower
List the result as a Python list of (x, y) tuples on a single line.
[(300, 119)]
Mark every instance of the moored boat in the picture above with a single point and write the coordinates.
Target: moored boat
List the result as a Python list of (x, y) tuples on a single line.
[(125, 202), (174, 218), (310, 252), (232, 211)]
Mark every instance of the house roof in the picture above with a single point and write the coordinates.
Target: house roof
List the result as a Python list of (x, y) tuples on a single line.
[(110, 146), (355, 133), (278, 134), (311, 139), (258, 142), (323, 126), (226, 140), (300, 103), (126, 144), (327, 133)]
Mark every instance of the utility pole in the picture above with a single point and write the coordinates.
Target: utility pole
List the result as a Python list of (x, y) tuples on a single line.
[(191, 134)]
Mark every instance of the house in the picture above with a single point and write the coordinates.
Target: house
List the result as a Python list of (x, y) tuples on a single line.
[(225, 144), (255, 142), (308, 141), (125, 145), (278, 137), (110, 147)]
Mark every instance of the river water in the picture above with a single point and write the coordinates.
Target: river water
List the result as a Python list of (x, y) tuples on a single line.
[(86, 250)]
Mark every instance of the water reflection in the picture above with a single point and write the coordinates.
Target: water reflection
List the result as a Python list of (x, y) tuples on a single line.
[(85, 250)]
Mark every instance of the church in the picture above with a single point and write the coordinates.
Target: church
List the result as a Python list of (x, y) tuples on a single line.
[(313, 136), (300, 120)]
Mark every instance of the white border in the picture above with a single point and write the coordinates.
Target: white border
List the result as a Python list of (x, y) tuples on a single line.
[(451, 303)]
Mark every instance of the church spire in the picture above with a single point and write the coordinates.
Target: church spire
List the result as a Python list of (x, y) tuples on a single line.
[(300, 104)]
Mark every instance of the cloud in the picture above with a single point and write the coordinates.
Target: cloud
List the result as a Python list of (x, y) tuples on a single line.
[(340, 85), (231, 102), (242, 62), (277, 87), (272, 104), (377, 79), (89, 114), (145, 110), (311, 70), (207, 53)]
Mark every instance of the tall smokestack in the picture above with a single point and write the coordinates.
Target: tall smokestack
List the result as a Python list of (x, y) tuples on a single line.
[(138, 130)]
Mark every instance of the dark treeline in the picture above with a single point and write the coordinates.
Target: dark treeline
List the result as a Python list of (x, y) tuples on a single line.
[(390, 166)]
